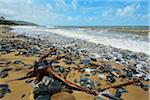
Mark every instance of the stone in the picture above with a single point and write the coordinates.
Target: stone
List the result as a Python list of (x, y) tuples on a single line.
[(87, 82), (41, 64), (3, 90), (86, 62), (3, 74), (55, 86), (47, 80), (62, 69), (93, 72), (18, 62), (43, 97), (119, 92), (111, 79)]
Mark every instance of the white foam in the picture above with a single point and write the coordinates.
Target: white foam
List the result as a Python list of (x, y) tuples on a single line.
[(123, 41)]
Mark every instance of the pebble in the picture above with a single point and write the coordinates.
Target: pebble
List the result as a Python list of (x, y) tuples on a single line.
[(18, 62), (3, 74), (87, 82), (119, 92), (3, 90)]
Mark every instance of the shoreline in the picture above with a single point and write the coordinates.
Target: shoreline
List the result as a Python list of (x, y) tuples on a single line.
[(123, 57), (82, 36)]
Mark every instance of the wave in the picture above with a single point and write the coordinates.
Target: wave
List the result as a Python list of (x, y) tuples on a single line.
[(126, 41)]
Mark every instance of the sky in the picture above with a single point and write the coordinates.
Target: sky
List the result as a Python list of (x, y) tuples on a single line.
[(78, 12)]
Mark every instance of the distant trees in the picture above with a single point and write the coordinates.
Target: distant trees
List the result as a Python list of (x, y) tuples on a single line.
[(2, 18)]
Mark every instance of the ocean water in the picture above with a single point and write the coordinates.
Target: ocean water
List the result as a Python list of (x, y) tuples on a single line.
[(135, 38)]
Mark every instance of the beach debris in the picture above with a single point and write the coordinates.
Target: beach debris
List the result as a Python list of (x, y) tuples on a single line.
[(3, 90), (18, 62), (41, 69), (119, 92), (4, 72), (111, 78), (87, 82), (62, 69), (86, 62)]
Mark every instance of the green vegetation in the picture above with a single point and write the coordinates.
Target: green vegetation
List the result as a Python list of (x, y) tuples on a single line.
[(3, 21)]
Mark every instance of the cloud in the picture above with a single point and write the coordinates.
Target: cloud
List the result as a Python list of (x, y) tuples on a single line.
[(127, 11), (74, 4), (107, 13)]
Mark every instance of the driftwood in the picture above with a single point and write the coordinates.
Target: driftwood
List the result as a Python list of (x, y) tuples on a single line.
[(40, 73), (120, 85)]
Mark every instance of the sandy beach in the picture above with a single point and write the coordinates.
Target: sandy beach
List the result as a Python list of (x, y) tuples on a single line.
[(77, 51)]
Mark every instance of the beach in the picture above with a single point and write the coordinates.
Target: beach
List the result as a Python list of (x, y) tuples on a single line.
[(104, 65)]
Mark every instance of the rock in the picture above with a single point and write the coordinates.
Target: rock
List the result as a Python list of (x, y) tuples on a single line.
[(23, 96), (43, 97), (18, 62), (86, 62), (111, 79), (68, 61), (3, 90), (102, 76), (47, 80), (55, 86), (53, 53), (93, 59), (62, 69), (119, 92), (144, 86), (87, 82), (93, 72), (41, 64), (3, 74)]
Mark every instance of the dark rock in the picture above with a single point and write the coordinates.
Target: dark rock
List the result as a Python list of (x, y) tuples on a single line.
[(111, 79), (18, 62), (3, 90), (87, 82), (62, 69), (86, 62), (119, 92), (43, 97), (144, 86), (23, 96), (93, 72), (93, 59), (55, 86), (3, 74), (68, 61), (41, 64)]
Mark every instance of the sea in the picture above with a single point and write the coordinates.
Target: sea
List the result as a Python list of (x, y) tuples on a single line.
[(133, 38)]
